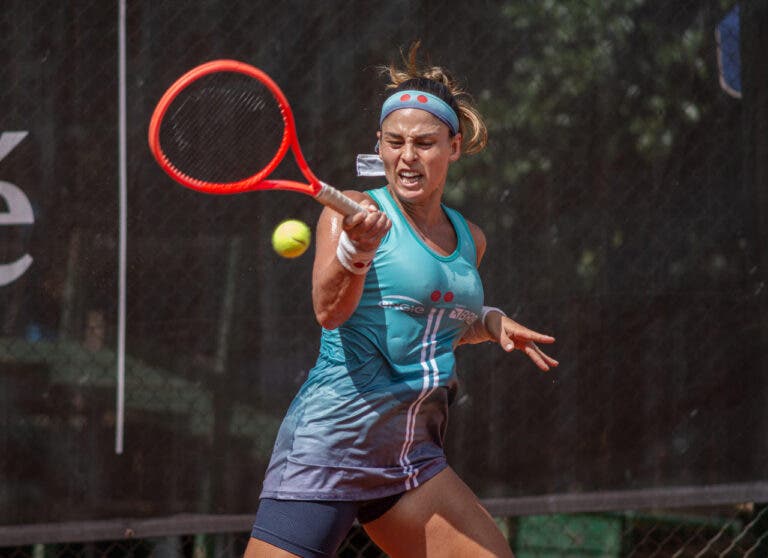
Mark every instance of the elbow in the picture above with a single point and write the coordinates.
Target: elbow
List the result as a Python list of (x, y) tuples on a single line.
[(332, 311), (327, 321)]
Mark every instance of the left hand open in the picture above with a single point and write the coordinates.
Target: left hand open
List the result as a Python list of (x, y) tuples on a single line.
[(512, 335)]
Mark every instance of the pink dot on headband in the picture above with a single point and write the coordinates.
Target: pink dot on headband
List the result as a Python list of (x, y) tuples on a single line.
[(422, 100)]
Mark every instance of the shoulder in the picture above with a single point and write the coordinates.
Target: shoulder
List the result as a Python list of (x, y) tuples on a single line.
[(479, 237)]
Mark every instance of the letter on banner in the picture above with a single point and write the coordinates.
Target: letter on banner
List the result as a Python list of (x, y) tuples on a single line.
[(19, 210)]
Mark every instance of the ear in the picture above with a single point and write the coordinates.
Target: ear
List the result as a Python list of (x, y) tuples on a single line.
[(378, 140), (455, 147)]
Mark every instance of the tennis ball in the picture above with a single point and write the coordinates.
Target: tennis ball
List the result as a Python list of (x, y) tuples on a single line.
[(291, 238)]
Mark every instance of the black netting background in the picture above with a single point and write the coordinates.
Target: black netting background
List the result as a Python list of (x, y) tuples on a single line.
[(623, 195)]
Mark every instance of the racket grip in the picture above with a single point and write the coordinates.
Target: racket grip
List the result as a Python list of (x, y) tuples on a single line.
[(330, 196)]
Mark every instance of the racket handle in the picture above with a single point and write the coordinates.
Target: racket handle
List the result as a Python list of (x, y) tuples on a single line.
[(330, 196)]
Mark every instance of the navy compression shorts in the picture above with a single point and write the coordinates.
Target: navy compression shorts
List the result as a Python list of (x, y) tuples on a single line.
[(314, 529)]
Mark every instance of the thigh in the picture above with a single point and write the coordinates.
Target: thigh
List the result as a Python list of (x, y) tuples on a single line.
[(260, 549), (309, 529), (441, 518)]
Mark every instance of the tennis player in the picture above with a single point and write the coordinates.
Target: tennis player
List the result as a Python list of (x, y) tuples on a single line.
[(396, 289)]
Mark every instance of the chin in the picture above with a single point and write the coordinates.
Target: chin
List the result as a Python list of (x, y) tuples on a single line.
[(409, 192)]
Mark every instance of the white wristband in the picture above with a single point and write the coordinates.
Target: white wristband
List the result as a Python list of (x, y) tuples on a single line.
[(486, 310), (351, 258)]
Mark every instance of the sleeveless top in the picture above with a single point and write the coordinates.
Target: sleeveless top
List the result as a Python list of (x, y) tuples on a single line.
[(370, 419)]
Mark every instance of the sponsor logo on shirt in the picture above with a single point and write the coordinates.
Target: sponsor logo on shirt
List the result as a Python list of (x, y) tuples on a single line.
[(403, 304), (416, 307), (463, 314)]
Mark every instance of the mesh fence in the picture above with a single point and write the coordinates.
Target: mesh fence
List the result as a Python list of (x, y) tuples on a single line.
[(723, 531), (623, 195)]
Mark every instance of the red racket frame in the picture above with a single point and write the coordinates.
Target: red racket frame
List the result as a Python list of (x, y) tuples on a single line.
[(322, 192)]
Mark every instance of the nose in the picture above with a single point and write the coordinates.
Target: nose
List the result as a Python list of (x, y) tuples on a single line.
[(409, 151)]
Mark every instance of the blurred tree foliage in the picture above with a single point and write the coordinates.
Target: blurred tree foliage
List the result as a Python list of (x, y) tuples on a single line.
[(598, 113)]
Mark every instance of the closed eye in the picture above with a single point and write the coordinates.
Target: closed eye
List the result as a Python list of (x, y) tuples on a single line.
[(396, 143)]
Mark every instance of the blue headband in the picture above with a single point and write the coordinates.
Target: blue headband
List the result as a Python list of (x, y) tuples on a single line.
[(424, 101)]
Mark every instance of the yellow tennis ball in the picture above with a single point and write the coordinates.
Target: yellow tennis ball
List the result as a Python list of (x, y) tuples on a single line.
[(291, 238)]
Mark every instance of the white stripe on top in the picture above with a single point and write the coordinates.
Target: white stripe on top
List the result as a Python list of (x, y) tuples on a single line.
[(429, 384)]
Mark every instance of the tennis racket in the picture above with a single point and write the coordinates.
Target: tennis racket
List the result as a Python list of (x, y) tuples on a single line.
[(224, 126)]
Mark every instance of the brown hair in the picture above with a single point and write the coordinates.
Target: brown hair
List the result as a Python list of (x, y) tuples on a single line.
[(437, 80)]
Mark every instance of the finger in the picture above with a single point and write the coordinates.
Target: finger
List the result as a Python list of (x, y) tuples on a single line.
[(383, 222), (506, 342), (379, 228), (367, 234), (360, 225), (549, 360), (530, 335), (351, 221), (373, 218), (373, 228), (533, 354), (369, 205)]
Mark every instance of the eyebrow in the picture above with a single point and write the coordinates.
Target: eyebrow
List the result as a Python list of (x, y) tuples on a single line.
[(394, 135)]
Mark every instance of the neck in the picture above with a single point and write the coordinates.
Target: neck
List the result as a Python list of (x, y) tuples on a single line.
[(429, 221), (424, 213)]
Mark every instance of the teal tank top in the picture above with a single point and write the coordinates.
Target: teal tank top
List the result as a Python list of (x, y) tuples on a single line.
[(370, 419)]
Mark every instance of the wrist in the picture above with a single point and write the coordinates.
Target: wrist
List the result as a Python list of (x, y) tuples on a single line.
[(487, 310), (352, 258)]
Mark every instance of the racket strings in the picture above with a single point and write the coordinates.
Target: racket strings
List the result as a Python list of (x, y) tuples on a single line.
[(224, 127)]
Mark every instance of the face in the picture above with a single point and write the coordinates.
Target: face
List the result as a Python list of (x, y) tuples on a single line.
[(417, 148)]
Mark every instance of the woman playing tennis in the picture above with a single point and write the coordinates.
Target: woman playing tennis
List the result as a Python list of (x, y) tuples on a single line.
[(396, 289)]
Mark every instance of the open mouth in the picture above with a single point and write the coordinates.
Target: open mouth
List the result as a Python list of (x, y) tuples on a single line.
[(409, 178)]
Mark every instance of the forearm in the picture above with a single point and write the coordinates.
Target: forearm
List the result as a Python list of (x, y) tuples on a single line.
[(344, 255), (335, 294)]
